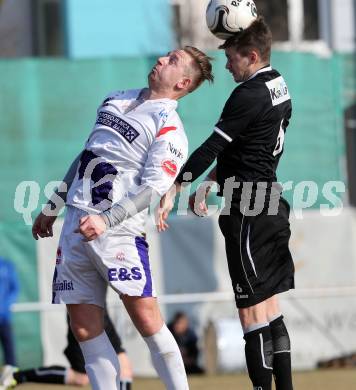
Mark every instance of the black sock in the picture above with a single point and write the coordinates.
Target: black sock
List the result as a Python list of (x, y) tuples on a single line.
[(125, 385), (259, 357), (52, 374), (282, 367)]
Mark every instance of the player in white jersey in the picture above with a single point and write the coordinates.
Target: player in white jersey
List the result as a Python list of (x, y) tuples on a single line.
[(134, 153)]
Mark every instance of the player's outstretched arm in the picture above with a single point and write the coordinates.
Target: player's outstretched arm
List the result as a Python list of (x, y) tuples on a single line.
[(197, 201), (43, 225), (166, 205), (92, 226)]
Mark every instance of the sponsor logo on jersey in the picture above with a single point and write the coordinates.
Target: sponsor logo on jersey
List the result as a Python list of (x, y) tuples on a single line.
[(165, 130), (120, 256), (169, 167), (122, 127), (59, 256), (177, 152), (163, 114), (278, 90), (64, 285), (123, 274)]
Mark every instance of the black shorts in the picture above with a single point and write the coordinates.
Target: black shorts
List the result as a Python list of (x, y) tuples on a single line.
[(258, 256), (74, 354)]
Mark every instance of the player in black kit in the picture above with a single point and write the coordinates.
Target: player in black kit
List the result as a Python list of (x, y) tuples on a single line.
[(248, 143), (76, 374)]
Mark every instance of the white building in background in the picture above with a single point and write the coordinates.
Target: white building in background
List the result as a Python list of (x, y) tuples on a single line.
[(312, 25), (36, 27), (31, 28), (15, 28), (343, 24)]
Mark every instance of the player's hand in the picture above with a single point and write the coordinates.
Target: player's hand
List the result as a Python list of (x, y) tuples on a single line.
[(91, 227), (43, 226), (166, 205), (197, 202)]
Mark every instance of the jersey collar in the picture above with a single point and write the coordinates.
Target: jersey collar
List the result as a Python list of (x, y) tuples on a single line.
[(155, 101), (267, 68)]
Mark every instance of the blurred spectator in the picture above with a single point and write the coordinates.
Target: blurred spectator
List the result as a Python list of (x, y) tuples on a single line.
[(8, 295), (187, 341)]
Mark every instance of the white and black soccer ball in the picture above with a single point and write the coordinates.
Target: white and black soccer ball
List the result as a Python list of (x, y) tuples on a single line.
[(227, 17)]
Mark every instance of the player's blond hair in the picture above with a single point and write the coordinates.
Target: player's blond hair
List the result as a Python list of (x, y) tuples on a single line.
[(201, 67)]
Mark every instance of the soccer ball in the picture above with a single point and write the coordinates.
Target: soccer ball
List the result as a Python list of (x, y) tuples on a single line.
[(227, 17)]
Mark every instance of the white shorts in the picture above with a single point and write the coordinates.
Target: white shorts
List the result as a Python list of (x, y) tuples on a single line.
[(84, 269)]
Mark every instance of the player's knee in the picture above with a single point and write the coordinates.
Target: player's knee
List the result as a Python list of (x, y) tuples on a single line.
[(148, 322), (253, 315), (86, 321), (81, 334), (85, 332), (272, 306), (148, 326), (244, 317)]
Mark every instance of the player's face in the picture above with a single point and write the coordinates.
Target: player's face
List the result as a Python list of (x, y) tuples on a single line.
[(171, 71), (238, 65)]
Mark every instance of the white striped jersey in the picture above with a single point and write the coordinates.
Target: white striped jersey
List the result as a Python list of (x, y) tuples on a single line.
[(133, 143)]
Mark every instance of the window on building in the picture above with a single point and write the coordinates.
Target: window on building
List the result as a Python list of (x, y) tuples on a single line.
[(293, 22), (48, 21), (275, 13), (311, 20)]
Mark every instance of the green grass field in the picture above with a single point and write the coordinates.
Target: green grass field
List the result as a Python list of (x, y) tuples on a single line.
[(316, 380)]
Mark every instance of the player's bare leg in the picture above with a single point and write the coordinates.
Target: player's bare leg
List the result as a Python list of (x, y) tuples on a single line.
[(258, 348), (253, 315), (75, 378), (82, 328), (282, 367), (126, 372), (273, 308), (166, 356), (101, 362), (144, 313)]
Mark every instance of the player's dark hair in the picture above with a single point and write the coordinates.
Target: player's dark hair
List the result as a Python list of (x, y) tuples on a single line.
[(257, 36), (202, 66)]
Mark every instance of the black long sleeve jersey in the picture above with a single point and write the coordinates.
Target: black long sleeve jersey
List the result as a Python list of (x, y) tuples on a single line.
[(248, 139)]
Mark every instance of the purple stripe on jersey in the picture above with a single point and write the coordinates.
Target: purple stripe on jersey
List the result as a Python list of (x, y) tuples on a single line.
[(142, 249), (55, 274)]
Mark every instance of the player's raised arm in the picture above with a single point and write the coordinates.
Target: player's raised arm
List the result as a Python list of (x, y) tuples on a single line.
[(197, 164), (197, 201), (42, 227)]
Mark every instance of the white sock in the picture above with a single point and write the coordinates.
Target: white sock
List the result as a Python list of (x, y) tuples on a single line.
[(167, 359), (101, 363)]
